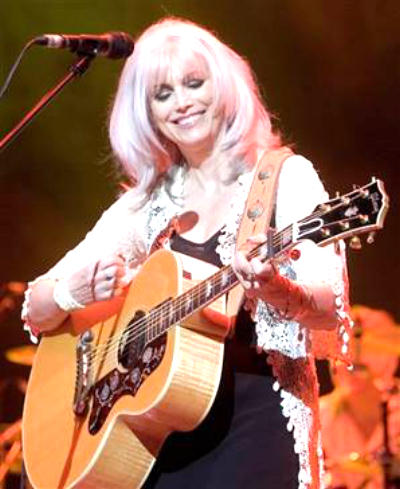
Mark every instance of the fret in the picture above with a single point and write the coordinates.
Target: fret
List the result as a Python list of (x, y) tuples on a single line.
[(188, 304), (286, 236), (216, 283), (203, 293), (155, 323), (224, 278), (209, 289), (170, 313), (161, 320), (150, 334), (196, 298), (232, 277), (181, 308), (177, 308)]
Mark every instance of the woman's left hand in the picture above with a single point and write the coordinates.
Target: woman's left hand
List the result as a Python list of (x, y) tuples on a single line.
[(262, 280)]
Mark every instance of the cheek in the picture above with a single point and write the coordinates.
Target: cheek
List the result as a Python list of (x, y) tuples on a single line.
[(158, 115), (207, 94)]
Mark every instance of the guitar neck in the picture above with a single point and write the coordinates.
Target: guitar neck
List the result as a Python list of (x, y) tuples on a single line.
[(177, 309), (362, 210)]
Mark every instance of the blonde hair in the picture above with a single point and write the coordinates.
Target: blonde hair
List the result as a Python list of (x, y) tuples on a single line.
[(139, 147)]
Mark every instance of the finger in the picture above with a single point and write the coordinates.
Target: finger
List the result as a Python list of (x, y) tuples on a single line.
[(111, 261), (242, 266), (109, 274), (264, 271), (105, 290), (258, 238), (102, 293), (114, 271), (251, 242), (252, 292), (118, 291)]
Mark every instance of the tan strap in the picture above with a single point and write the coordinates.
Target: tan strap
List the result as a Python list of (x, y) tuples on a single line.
[(257, 213)]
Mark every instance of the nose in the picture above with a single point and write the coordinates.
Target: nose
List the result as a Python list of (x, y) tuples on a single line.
[(183, 101)]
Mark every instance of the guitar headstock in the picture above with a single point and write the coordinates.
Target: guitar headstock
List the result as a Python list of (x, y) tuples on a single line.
[(361, 211)]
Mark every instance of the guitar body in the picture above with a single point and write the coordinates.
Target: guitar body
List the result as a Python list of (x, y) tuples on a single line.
[(170, 386)]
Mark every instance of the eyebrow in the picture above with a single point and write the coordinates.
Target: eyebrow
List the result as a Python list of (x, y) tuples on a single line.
[(194, 73)]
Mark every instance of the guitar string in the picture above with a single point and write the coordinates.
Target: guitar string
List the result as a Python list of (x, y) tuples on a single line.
[(138, 328), (195, 293), (284, 233), (150, 322)]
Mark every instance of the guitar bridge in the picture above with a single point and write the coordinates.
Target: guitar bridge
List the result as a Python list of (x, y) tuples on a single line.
[(84, 377)]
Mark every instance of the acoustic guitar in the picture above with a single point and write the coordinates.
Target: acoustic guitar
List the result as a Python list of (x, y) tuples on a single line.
[(101, 401)]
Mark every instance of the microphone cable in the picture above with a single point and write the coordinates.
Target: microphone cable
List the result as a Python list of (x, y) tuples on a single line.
[(14, 67)]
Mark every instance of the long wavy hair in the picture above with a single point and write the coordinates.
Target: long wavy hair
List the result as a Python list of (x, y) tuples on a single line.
[(141, 150)]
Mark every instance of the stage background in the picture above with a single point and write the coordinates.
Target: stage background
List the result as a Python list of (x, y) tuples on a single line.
[(329, 71)]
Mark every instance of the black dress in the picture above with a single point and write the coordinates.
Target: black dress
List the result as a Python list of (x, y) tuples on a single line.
[(243, 442)]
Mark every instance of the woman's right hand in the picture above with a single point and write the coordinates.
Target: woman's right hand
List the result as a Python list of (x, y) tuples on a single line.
[(98, 281)]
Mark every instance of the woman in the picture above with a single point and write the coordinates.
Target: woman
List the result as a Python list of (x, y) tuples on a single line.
[(188, 127)]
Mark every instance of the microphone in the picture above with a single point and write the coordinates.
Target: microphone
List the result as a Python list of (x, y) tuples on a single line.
[(110, 44)]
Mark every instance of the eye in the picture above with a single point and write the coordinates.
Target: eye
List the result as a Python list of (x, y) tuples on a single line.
[(163, 93), (194, 82)]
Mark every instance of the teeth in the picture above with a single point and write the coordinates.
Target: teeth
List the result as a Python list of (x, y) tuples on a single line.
[(189, 120)]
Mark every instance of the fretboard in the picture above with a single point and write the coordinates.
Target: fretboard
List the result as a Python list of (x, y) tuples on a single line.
[(174, 310)]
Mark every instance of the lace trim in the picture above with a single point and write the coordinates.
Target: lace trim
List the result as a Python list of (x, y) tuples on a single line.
[(335, 344), (297, 382), (28, 326), (162, 210), (227, 238)]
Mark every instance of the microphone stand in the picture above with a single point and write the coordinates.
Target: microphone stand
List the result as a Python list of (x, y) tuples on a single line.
[(386, 454), (77, 69)]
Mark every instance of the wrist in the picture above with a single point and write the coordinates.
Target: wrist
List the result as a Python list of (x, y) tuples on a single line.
[(293, 301), (63, 298)]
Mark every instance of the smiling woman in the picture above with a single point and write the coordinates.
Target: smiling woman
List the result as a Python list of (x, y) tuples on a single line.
[(238, 120), (183, 108), (190, 129)]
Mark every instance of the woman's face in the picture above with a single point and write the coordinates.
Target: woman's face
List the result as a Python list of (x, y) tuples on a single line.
[(183, 110)]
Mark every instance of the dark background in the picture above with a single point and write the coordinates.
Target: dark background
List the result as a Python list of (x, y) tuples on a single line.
[(329, 71)]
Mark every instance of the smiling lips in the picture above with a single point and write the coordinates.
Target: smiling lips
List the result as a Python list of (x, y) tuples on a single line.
[(188, 120)]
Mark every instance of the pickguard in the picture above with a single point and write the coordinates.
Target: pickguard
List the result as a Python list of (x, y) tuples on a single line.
[(118, 383)]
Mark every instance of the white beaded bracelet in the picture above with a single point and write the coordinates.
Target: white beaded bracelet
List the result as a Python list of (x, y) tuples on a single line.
[(63, 298)]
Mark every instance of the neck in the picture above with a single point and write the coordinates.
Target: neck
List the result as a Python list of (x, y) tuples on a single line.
[(196, 158)]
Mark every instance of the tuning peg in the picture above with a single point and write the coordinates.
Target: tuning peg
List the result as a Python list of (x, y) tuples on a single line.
[(325, 207), (371, 237), (345, 200), (355, 243)]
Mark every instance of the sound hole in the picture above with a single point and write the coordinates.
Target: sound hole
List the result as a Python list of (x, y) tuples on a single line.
[(133, 341)]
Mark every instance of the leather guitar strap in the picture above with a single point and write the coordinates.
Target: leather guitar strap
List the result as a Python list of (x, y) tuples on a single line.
[(257, 213)]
